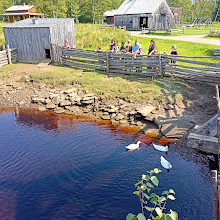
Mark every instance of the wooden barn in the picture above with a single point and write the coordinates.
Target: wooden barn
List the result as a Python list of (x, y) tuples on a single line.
[(21, 12), (34, 38), (138, 14)]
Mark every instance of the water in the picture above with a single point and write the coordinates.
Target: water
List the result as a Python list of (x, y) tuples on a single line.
[(61, 167)]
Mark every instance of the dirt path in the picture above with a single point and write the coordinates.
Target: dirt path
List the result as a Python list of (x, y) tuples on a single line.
[(189, 38)]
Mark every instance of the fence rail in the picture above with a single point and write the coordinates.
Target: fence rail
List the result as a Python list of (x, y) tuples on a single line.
[(8, 56), (150, 66)]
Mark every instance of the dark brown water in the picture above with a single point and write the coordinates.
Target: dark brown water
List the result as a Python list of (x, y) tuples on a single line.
[(61, 167)]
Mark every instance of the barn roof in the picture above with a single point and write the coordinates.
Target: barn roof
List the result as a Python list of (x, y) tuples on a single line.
[(42, 22), (129, 7), (20, 8)]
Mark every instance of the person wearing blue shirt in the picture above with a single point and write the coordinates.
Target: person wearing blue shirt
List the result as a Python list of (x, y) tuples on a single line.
[(137, 46)]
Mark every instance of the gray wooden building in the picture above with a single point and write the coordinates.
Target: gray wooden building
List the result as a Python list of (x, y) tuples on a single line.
[(34, 38), (138, 14)]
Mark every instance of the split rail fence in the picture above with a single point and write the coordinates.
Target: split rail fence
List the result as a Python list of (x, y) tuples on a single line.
[(8, 56), (185, 67)]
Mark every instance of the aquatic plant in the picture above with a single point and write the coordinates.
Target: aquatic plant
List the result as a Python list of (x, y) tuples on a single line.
[(151, 202)]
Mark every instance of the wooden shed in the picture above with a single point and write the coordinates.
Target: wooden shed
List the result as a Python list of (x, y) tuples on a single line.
[(138, 14), (21, 12), (34, 38)]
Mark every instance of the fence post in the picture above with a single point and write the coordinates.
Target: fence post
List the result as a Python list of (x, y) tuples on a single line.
[(107, 62), (3, 47), (160, 65), (9, 54)]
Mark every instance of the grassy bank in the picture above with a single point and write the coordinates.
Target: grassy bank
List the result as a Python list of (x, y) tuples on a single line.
[(129, 87)]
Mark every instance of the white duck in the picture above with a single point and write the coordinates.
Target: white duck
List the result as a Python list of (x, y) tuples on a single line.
[(160, 147), (165, 163), (133, 146)]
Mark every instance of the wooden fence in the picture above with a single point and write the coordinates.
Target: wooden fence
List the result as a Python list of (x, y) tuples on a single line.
[(190, 69), (8, 56), (185, 67), (114, 63)]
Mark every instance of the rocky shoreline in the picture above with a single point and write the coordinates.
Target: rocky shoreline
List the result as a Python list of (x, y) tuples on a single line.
[(173, 119)]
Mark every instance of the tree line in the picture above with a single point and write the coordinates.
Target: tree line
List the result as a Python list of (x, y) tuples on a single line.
[(91, 11)]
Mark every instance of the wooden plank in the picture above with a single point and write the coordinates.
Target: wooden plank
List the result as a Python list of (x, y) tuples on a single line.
[(198, 62), (205, 125), (85, 61), (199, 68), (203, 138), (133, 72), (84, 65)]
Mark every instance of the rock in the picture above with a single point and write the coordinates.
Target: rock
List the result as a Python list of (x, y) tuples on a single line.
[(173, 127), (41, 108), (144, 111), (123, 122), (89, 95), (87, 98), (121, 102), (105, 117), (59, 110), (50, 105), (65, 103), (69, 91), (38, 100), (113, 115), (113, 110), (56, 100), (119, 117)]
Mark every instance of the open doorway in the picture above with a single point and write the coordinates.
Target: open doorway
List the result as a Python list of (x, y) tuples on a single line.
[(47, 52), (144, 22)]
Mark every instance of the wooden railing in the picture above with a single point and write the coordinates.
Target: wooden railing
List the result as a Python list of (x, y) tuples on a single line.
[(115, 63), (185, 67), (8, 56)]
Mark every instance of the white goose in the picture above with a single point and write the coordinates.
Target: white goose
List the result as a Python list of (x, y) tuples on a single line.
[(165, 163), (133, 146), (160, 147)]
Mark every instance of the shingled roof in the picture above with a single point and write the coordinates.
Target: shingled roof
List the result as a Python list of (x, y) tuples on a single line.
[(130, 7), (20, 8)]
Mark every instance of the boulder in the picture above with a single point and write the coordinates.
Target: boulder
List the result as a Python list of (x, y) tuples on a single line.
[(56, 100), (119, 117), (105, 117), (69, 91), (144, 111), (113, 110), (50, 105), (59, 110), (41, 108), (65, 103), (173, 127)]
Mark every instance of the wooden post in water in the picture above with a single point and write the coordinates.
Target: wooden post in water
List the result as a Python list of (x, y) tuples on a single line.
[(8, 54)]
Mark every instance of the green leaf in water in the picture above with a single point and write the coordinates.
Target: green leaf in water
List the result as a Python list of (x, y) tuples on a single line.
[(154, 200), (162, 199), (154, 180), (149, 208), (167, 217), (130, 216), (140, 216), (152, 195), (171, 197), (171, 191), (165, 192), (136, 193), (150, 185), (146, 196), (159, 211), (156, 170), (173, 215)]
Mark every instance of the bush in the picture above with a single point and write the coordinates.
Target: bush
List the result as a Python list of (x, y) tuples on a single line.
[(215, 34)]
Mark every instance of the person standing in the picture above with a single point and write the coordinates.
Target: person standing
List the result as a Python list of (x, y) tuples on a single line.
[(173, 53), (112, 45), (152, 48)]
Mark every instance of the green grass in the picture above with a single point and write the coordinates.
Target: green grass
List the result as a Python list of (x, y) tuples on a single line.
[(88, 37)]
